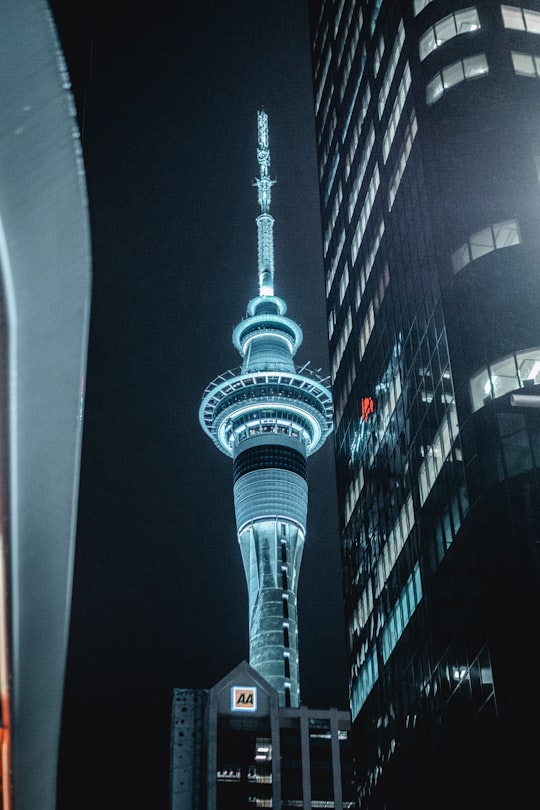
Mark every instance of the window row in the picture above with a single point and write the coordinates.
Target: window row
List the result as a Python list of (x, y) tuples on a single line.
[(402, 613), (521, 19), (526, 64), (516, 371), (469, 68), (460, 22), (496, 236)]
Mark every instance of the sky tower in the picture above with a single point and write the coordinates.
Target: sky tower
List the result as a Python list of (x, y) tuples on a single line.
[(269, 417)]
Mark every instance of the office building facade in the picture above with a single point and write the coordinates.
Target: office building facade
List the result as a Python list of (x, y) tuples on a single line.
[(428, 139), (235, 746)]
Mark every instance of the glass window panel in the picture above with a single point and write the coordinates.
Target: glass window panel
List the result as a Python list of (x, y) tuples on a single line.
[(480, 389), (434, 89), (475, 65), (529, 366), (445, 29), (523, 64), (467, 20), (504, 376), (506, 233), (481, 243), (419, 5), (427, 44), (532, 21), (461, 257), (512, 18), (453, 74)]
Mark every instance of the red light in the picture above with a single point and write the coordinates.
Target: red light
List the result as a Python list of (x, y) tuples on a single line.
[(368, 407)]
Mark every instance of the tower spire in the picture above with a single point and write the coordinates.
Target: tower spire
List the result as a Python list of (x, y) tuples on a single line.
[(265, 222)]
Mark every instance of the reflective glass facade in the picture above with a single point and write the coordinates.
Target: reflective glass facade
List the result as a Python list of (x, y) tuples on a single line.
[(428, 138)]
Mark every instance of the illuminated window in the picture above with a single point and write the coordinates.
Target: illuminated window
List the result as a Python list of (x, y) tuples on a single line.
[(378, 55), (496, 236), (401, 614), (397, 109), (461, 22), (376, 9), (505, 375), (331, 323), (521, 19), (342, 343), (525, 64), (361, 171), (453, 74), (364, 684), (322, 81), (355, 135), (343, 283), (392, 67), (367, 267), (365, 212), (354, 95), (419, 5), (403, 157)]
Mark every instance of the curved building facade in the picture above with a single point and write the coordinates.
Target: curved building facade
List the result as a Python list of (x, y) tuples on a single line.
[(269, 418), (45, 278)]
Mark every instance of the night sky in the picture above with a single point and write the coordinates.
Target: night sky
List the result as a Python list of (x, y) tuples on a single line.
[(167, 95)]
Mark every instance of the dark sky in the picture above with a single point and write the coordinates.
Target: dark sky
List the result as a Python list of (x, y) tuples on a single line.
[(168, 95)]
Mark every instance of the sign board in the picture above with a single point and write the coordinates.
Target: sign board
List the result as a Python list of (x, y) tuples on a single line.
[(243, 698)]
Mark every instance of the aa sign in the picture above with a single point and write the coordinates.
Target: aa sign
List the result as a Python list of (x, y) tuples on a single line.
[(243, 698)]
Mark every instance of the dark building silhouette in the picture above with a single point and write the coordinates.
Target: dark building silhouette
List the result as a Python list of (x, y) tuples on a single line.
[(235, 746), (428, 137)]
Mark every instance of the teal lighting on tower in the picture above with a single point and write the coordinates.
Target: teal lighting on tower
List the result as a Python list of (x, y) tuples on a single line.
[(269, 418)]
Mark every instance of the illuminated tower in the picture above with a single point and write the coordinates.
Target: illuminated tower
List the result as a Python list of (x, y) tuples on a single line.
[(269, 417)]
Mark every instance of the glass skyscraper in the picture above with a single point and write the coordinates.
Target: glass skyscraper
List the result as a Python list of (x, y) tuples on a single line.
[(428, 139)]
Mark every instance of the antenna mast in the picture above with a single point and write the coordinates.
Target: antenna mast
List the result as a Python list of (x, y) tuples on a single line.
[(265, 221)]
